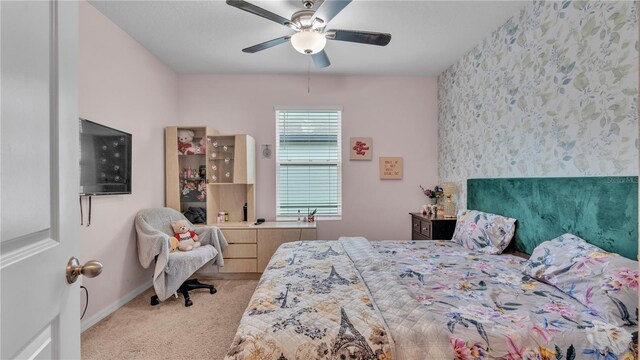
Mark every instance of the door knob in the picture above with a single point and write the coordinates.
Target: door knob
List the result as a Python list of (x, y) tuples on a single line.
[(90, 269)]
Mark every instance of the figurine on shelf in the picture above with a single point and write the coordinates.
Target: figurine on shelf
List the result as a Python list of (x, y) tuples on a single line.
[(202, 189)]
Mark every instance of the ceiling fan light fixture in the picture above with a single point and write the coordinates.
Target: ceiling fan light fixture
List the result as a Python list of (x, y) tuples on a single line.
[(308, 42)]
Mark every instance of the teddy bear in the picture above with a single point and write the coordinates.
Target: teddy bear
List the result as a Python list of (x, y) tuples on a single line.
[(184, 239), (185, 142)]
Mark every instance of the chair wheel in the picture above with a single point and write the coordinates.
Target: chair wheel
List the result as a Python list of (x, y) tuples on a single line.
[(188, 302), (213, 291), (154, 300)]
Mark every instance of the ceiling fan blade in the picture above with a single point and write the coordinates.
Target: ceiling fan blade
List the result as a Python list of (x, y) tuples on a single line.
[(266, 44), (256, 10), (363, 37), (329, 9), (321, 60)]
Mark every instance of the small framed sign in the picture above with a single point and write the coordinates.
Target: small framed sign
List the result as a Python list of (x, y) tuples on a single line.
[(390, 168), (360, 148)]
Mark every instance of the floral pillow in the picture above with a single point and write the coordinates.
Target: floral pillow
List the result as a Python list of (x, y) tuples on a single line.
[(483, 232), (605, 282)]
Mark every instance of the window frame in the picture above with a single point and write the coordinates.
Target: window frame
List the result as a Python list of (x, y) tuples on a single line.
[(338, 162)]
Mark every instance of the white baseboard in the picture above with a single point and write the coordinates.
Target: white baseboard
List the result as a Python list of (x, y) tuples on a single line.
[(86, 324)]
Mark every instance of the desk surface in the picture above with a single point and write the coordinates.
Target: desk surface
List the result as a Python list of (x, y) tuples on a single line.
[(264, 225)]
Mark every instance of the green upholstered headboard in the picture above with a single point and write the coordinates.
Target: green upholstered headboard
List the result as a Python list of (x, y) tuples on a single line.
[(601, 210)]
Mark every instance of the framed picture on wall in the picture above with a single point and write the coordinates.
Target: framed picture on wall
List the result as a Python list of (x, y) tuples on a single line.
[(360, 148), (390, 168)]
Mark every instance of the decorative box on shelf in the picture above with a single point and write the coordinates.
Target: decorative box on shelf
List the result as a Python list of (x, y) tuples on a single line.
[(426, 227)]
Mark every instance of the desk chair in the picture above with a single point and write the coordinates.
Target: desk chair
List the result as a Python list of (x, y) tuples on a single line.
[(173, 269)]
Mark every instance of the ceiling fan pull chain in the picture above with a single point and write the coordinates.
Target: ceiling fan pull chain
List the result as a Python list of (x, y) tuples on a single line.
[(309, 75)]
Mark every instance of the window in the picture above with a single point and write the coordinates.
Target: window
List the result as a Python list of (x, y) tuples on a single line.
[(308, 163)]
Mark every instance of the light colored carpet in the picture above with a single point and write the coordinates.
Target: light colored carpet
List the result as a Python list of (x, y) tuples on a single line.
[(170, 330)]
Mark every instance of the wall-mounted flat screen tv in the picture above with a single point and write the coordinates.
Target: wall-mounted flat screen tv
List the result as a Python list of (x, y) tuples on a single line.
[(105, 160)]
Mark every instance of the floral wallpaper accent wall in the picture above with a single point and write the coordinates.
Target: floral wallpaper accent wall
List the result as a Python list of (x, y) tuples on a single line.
[(552, 92)]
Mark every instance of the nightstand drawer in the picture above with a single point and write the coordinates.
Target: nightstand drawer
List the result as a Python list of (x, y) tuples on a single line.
[(415, 225), (242, 251), (235, 236), (418, 236), (425, 228)]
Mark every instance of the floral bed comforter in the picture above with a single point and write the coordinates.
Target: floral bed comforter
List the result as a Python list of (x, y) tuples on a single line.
[(355, 299), (490, 310)]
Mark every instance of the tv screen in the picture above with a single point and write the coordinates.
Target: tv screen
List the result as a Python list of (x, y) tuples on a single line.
[(105, 160)]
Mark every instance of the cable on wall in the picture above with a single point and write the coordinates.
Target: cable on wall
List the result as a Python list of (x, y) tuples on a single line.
[(81, 213), (86, 302)]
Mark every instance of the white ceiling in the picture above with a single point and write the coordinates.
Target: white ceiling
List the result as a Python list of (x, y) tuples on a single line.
[(208, 36)]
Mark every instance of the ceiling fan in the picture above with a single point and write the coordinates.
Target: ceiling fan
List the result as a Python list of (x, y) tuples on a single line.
[(310, 35)]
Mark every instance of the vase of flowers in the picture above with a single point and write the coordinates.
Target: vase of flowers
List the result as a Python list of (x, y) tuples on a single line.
[(433, 194)]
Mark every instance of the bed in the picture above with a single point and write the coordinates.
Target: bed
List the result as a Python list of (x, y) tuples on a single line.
[(359, 299)]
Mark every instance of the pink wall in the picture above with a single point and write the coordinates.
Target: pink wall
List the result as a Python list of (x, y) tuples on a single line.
[(399, 113), (123, 86)]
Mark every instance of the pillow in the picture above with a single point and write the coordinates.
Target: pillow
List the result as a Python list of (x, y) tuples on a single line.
[(487, 233), (605, 282)]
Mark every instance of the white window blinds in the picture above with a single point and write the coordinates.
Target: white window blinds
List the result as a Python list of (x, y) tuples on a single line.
[(308, 163)]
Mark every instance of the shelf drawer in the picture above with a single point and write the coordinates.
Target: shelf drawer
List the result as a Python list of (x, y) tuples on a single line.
[(308, 234), (239, 266), (235, 251), (236, 236), (425, 228)]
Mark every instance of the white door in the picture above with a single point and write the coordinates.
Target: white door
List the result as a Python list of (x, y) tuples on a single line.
[(39, 179)]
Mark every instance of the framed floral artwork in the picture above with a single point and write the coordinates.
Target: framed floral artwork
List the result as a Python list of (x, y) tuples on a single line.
[(360, 148)]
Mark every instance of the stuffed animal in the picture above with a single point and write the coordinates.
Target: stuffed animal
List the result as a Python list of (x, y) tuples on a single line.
[(184, 239), (185, 142), (201, 149)]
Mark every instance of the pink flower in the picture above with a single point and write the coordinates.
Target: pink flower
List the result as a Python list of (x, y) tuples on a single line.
[(424, 298), (614, 285), (441, 286), (515, 352), (412, 285), (559, 307), (460, 349), (481, 266), (587, 296), (585, 261), (545, 334), (627, 277), (478, 352)]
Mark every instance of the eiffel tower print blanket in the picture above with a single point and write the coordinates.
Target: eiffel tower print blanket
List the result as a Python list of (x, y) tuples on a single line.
[(415, 300), (312, 303)]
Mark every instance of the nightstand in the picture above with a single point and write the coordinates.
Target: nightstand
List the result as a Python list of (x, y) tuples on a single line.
[(431, 228)]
